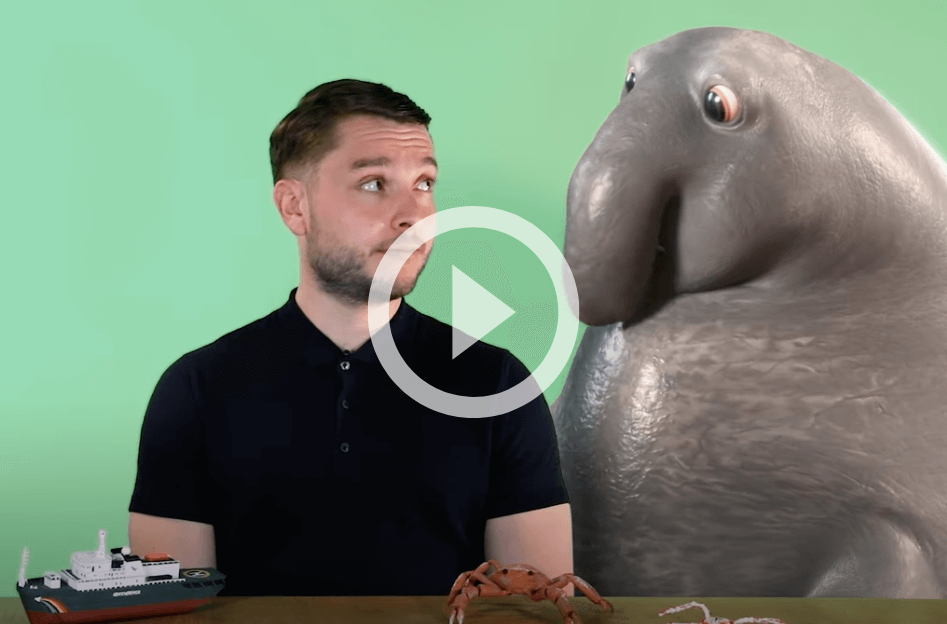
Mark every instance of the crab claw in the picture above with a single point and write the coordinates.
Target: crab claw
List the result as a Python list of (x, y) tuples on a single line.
[(458, 613)]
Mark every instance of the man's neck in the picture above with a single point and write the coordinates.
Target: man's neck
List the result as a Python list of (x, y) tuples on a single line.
[(345, 325)]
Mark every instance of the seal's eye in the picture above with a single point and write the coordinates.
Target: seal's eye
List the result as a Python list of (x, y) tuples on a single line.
[(630, 80), (721, 104)]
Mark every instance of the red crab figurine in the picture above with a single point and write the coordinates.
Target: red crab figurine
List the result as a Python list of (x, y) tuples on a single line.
[(518, 578), (709, 619)]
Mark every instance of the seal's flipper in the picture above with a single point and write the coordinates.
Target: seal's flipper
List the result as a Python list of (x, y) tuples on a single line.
[(883, 560)]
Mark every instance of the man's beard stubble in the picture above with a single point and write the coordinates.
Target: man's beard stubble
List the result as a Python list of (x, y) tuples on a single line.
[(340, 273)]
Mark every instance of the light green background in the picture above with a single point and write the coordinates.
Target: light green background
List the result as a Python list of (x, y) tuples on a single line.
[(136, 217)]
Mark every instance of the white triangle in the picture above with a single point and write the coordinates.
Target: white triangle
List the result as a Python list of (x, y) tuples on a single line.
[(475, 312)]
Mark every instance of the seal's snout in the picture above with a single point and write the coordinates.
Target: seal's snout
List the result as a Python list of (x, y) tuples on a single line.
[(591, 219), (599, 191), (615, 204)]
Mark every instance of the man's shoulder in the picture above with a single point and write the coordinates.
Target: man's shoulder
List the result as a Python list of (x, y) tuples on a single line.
[(250, 345)]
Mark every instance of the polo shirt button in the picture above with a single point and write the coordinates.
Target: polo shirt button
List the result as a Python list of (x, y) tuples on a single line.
[(345, 365), (345, 404), (344, 447)]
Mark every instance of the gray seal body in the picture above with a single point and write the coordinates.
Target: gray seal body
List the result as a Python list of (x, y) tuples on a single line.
[(759, 406)]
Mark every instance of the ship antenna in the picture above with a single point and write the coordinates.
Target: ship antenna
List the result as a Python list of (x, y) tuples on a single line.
[(101, 551), (23, 562)]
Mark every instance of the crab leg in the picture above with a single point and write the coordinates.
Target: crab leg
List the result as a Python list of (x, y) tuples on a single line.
[(463, 592), (564, 579), (459, 603), (477, 574), (559, 598)]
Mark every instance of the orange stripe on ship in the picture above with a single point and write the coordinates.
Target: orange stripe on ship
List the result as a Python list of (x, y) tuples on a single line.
[(60, 607)]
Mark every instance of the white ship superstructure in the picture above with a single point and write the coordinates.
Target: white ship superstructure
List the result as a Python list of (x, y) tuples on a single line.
[(99, 569)]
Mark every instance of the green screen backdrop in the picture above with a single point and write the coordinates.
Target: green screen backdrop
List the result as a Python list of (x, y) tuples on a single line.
[(137, 222)]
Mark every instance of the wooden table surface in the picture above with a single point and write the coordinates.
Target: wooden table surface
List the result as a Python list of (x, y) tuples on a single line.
[(519, 609)]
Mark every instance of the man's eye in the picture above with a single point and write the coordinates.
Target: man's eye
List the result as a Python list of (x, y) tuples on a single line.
[(429, 183), (374, 185)]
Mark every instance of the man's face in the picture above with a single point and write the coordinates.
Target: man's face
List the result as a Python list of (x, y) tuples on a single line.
[(362, 195)]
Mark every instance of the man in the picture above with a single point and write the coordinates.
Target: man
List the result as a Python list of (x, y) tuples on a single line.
[(285, 456)]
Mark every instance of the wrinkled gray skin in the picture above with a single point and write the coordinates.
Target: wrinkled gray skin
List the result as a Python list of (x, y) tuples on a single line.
[(759, 407)]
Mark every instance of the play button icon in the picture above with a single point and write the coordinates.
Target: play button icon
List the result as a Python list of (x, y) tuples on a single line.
[(475, 312)]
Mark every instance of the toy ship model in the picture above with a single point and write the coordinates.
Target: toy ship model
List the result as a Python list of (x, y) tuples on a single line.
[(104, 586)]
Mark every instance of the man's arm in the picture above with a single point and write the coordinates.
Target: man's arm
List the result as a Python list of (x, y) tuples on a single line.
[(172, 475), (191, 543), (541, 538)]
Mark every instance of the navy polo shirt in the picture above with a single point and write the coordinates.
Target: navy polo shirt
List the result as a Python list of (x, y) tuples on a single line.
[(321, 477)]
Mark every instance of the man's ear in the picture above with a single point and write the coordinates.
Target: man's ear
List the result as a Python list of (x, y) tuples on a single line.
[(292, 203)]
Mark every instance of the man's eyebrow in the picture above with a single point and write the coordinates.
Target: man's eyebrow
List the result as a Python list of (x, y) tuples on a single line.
[(362, 163), (370, 162)]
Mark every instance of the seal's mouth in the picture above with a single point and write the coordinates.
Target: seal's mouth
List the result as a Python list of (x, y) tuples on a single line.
[(660, 287), (667, 234)]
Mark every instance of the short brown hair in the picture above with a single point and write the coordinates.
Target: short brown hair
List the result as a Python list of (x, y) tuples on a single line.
[(307, 133)]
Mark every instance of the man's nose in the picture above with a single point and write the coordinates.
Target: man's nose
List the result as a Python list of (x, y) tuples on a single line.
[(412, 206)]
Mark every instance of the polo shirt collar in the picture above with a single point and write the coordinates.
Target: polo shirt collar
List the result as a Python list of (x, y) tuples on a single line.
[(316, 348)]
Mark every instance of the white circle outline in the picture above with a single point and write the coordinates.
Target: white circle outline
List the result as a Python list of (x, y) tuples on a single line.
[(478, 406)]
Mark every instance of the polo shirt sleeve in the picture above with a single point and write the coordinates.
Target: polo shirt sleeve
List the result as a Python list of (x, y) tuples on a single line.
[(172, 469), (525, 473)]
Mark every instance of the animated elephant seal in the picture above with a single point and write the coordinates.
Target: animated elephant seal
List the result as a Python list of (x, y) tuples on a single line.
[(759, 407)]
